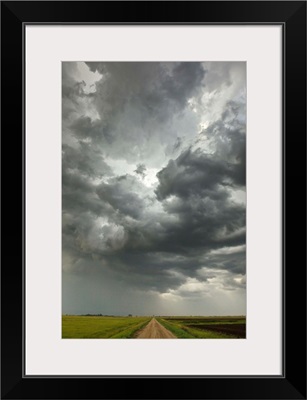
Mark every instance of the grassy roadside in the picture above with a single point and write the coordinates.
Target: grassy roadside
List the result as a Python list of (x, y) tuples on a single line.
[(175, 329), (131, 332)]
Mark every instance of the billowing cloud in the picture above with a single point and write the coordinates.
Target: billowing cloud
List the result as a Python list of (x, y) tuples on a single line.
[(153, 187)]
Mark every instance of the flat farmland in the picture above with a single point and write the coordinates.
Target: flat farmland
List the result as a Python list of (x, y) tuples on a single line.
[(101, 327), (114, 327), (232, 327)]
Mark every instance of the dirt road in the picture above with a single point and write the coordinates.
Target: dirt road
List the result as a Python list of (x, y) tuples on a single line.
[(154, 330)]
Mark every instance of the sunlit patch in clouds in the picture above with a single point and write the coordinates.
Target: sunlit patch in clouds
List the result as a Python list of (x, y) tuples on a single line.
[(83, 74), (153, 187)]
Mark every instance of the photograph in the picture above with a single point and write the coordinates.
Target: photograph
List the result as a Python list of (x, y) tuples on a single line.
[(154, 200), (152, 168)]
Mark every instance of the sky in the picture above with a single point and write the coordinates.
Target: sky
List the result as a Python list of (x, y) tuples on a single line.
[(153, 188)]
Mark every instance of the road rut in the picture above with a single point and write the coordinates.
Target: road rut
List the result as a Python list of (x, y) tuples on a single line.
[(154, 330)]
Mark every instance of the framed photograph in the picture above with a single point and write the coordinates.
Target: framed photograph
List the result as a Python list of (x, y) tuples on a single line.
[(157, 184)]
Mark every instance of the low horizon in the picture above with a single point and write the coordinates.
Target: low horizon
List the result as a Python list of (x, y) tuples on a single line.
[(156, 315)]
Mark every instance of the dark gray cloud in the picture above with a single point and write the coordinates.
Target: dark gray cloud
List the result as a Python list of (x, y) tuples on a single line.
[(193, 172), (85, 160), (121, 194), (136, 103), (153, 184)]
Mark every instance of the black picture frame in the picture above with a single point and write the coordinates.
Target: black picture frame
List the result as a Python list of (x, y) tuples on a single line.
[(292, 383)]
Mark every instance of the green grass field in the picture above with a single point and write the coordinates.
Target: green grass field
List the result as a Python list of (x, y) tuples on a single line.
[(206, 327), (100, 327)]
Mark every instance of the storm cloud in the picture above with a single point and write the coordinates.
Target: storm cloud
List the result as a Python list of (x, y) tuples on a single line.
[(153, 187)]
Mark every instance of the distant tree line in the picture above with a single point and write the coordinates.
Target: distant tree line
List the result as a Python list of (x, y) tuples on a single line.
[(102, 315)]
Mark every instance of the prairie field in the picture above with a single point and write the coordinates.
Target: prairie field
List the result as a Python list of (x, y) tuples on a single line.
[(115, 327), (101, 327)]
